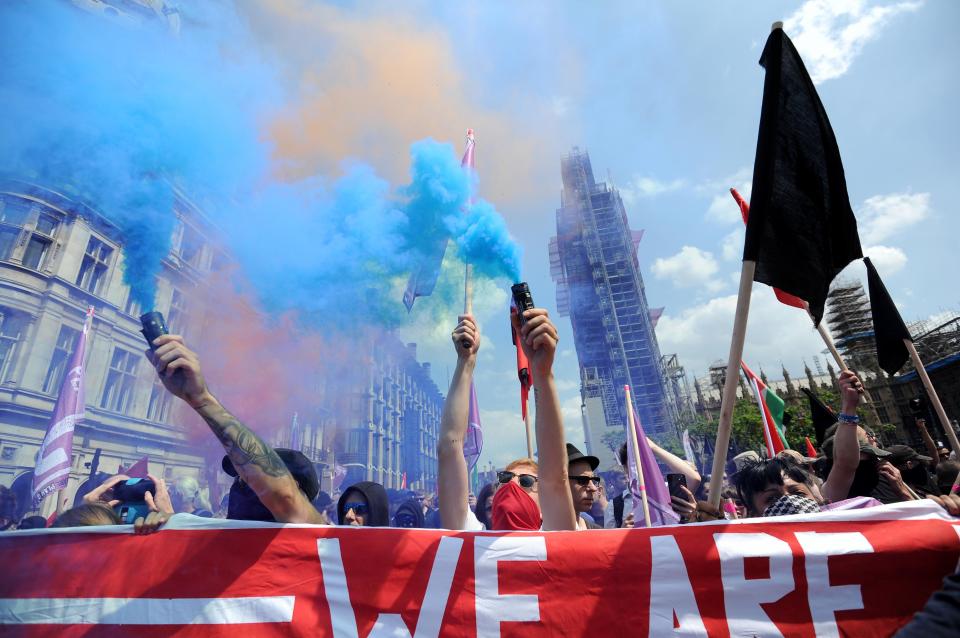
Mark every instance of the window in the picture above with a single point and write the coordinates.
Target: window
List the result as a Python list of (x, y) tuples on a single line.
[(176, 317), (120, 381), (191, 246), (12, 326), (40, 241), (66, 341), (8, 240), (159, 407), (132, 307), (95, 264)]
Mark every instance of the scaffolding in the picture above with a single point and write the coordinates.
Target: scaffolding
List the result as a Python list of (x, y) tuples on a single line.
[(593, 261), (851, 325)]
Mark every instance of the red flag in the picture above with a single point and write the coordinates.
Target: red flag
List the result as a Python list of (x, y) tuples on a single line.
[(811, 451), (403, 481), (782, 297), (771, 411), (523, 371)]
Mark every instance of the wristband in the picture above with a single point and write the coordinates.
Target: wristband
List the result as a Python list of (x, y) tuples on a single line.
[(848, 418)]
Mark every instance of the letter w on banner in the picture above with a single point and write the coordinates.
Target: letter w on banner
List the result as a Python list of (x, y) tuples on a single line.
[(55, 457), (825, 574)]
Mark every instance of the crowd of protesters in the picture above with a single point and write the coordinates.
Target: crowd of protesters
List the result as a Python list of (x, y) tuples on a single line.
[(559, 490)]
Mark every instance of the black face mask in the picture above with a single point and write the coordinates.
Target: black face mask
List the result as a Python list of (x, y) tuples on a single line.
[(865, 479), (245, 506)]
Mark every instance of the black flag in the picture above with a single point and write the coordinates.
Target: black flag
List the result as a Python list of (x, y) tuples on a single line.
[(801, 230), (888, 327), (821, 415)]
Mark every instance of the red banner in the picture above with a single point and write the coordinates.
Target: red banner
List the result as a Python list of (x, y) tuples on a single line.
[(861, 573)]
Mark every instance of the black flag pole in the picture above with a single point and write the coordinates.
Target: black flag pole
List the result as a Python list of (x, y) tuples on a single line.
[(934, 397)]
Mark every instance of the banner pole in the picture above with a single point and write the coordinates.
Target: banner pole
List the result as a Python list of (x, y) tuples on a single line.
[(468, 289), (934, 397), (641, 484), (526, 423), (729, 396)]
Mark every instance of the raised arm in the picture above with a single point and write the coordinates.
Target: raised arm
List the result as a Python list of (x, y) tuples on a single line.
[(539, 338), (846, 447), (676, 464), (452, 480), (928, 441), (256, 462)]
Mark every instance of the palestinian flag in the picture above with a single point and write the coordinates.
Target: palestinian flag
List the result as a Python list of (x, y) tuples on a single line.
[(771, 412)]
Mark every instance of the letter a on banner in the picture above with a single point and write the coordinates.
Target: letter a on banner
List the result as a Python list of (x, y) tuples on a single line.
[(671, 592)]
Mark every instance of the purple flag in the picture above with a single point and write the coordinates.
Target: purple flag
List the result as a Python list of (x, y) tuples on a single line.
[(424, 278), (55, 457), (473, 443), (658, 497)]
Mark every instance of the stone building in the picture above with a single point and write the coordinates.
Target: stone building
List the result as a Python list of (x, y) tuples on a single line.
[(57, 257)]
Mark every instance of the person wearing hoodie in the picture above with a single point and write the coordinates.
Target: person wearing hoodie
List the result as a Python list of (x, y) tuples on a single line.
[(364, 504), (409, 514)]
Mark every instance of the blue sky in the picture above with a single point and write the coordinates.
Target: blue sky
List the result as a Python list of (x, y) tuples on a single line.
[(666, 96)]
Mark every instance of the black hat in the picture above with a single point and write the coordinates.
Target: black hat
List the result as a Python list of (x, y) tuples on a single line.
[(904, 453), (297, 463), (573, 454)]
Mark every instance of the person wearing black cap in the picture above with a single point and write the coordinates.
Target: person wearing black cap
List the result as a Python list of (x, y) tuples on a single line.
[(913, 469), (364, 504), (584, 485), (244, 505), (258, 466)]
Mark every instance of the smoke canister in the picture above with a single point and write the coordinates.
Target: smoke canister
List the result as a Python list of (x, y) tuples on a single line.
[(522, 298), (153, 326)]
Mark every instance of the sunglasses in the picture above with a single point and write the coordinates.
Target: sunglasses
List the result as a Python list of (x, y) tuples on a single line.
[(525, 480), (360, 509), (583, 480)]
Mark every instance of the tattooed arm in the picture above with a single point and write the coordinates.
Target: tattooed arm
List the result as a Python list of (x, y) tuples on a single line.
[(256, 462)]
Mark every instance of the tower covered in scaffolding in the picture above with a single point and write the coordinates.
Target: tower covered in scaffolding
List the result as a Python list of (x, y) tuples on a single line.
[(851, 324), (593, 260)]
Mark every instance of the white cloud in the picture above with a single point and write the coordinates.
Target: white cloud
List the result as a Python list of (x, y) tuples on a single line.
[(689, 268), (701, 334), (887, 259), (731, 246), (830, 34), (884, 216), (640, 187)]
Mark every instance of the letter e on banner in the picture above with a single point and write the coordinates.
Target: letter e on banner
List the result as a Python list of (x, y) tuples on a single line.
[(825, 599), (742, 598), (492, 606), (671, 592)]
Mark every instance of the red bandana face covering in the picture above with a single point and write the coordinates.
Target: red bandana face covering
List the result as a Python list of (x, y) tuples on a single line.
[(514, 509)]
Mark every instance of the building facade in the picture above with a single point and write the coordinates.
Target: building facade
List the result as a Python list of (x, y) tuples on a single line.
[(600, 287), (57, 257)]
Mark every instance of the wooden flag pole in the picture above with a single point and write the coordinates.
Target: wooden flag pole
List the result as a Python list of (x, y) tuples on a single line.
[(641, 484), (468, 290), (729, 396), (934, 397), (526, 423), (828, 340)]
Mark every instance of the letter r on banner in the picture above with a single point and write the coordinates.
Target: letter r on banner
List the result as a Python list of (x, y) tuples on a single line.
[(825, 599), (742, 597), (492, 606)]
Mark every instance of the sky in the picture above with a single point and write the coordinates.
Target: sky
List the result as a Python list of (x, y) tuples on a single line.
[(666, 99), (665, 96)]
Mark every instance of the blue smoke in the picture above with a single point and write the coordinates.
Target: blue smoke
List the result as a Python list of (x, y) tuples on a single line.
[(118, 115)]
